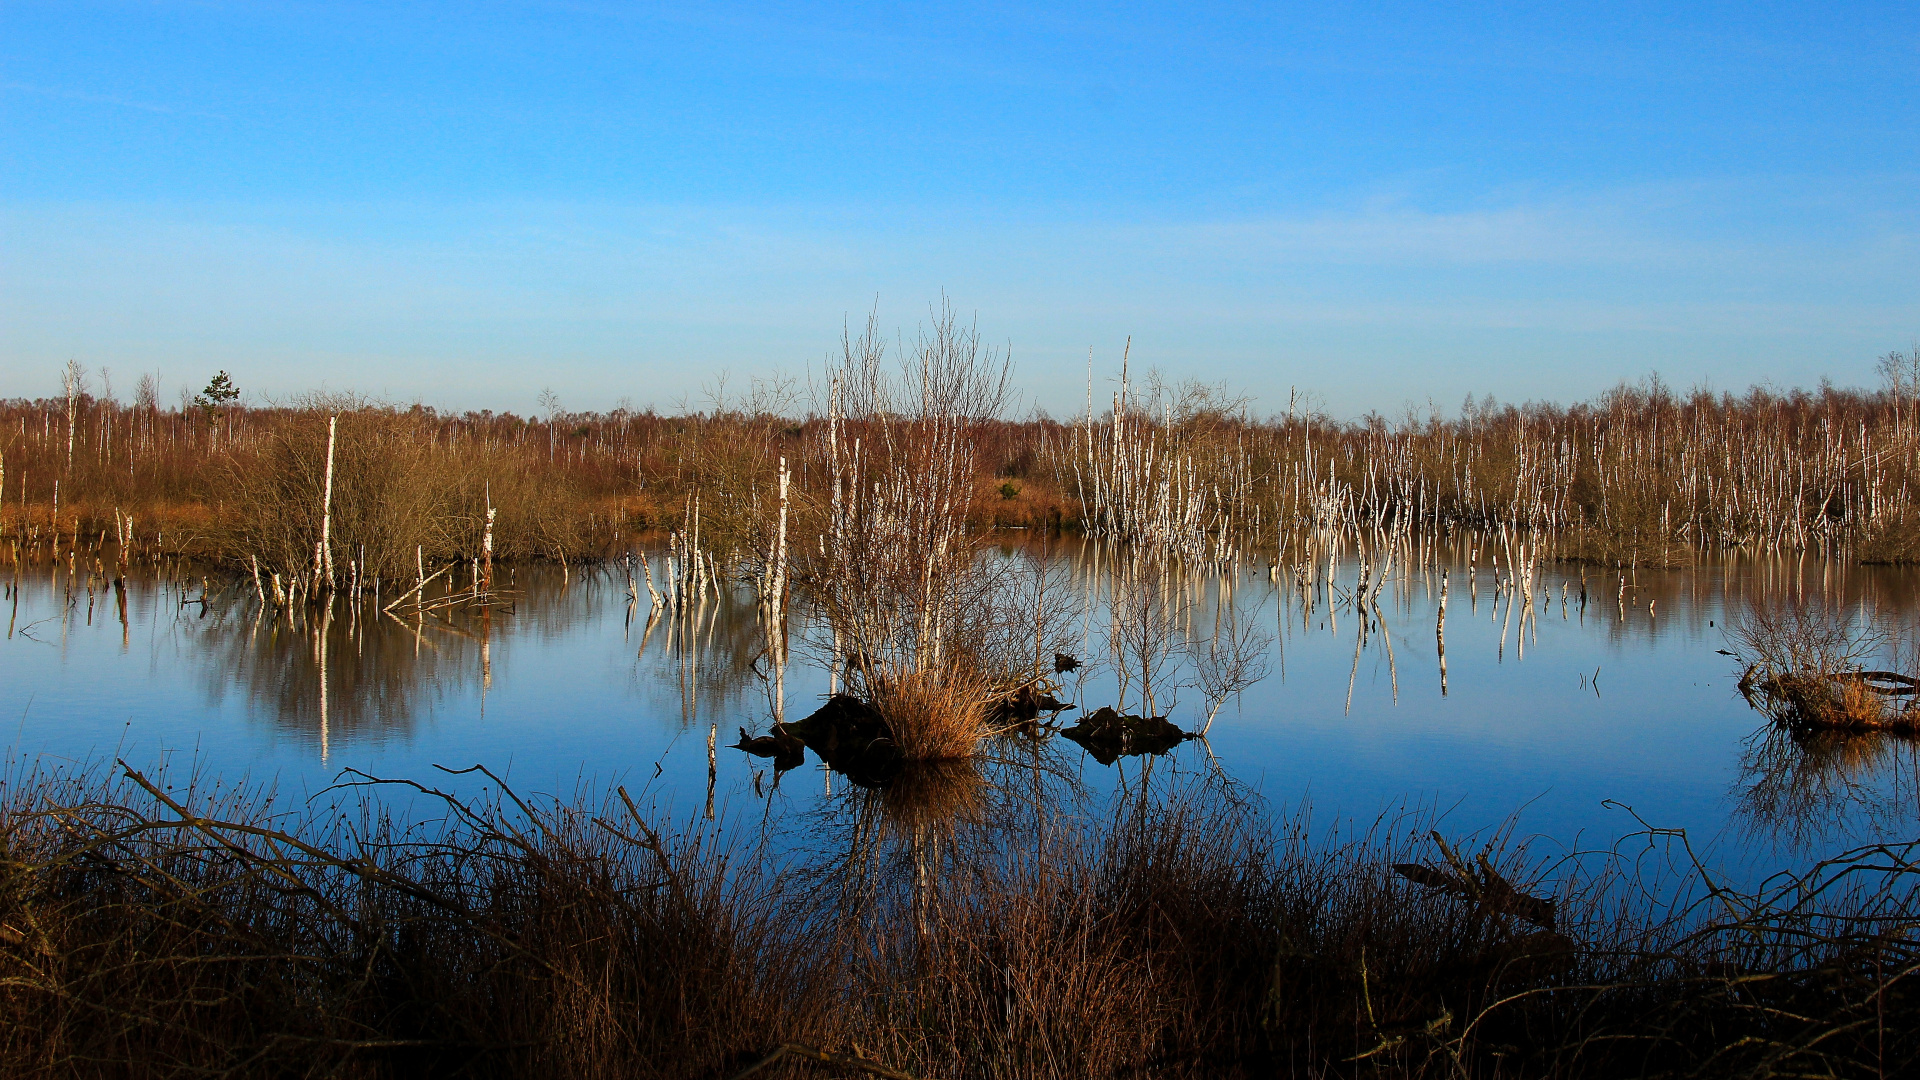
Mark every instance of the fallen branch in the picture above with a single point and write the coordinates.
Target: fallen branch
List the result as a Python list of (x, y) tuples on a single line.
[(423, 584)]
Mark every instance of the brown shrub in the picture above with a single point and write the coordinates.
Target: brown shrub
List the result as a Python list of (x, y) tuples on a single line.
[(396, 498), (151, 929), (1893, 540), (1804, 668)]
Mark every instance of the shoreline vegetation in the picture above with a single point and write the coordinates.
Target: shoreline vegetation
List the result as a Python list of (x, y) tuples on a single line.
[(980, 921), (1640, 477)]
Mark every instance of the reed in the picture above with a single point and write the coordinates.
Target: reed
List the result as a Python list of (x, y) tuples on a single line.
[(959, 926)]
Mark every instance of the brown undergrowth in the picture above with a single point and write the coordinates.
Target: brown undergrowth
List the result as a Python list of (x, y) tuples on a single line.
[(158, 929), (1640, 476)]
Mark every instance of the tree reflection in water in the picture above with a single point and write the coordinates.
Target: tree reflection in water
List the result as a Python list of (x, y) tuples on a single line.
[(328, 674), (343, 671), (897, 849), (1804, 791), (710, 657)]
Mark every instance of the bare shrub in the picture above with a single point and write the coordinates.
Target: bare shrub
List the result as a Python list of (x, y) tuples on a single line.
[(1891, 540), (395, 498), (1805, 667), (915, 612), (388, 496), (1814, 639)]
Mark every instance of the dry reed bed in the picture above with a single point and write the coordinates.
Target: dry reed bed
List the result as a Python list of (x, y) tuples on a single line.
[(1641, 476), (984, 930)]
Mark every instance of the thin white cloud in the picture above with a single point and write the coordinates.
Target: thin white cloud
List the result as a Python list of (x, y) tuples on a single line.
[(115, 101), (462, 306)]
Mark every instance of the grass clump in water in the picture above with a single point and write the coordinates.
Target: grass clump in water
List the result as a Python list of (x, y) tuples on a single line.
[(1805, 669)]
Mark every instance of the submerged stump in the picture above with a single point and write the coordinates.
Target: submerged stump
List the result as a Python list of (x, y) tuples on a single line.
[(846, 733), (1110, 735)]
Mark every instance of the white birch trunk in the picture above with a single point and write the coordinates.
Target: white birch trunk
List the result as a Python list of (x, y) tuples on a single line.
[(324, 561)]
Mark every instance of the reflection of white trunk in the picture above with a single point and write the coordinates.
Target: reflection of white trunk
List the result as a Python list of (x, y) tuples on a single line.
[(652, 617), (780, 686), (326, 748), (1505, 624), (713, 766), (922, 889)]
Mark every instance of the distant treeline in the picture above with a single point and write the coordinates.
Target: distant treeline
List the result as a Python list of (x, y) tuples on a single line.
[(1640, 475)]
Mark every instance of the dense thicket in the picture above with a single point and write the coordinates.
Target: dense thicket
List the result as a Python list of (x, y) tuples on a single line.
[(1642, 475)]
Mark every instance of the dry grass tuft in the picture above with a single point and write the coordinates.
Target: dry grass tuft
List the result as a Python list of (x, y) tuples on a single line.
[(937, 715)]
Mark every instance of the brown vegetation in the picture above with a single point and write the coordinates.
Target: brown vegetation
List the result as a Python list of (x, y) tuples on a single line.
[(393, 503), (1804, 668), (1641, 476), (920, 621), (152, 929)]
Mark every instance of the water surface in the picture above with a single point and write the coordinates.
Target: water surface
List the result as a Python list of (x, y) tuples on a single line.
[(1576, 722)]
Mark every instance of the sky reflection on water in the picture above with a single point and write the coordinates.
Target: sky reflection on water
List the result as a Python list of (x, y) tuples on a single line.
[(1550, 718)]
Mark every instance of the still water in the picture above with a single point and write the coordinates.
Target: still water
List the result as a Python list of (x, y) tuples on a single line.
[(1575, 723)]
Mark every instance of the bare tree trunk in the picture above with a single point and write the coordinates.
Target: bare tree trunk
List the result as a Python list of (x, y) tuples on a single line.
[(72, 381), (326, 511), (486, 545)]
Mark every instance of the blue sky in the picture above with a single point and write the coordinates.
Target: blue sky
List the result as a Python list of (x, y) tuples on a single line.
[(1381, 205)]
